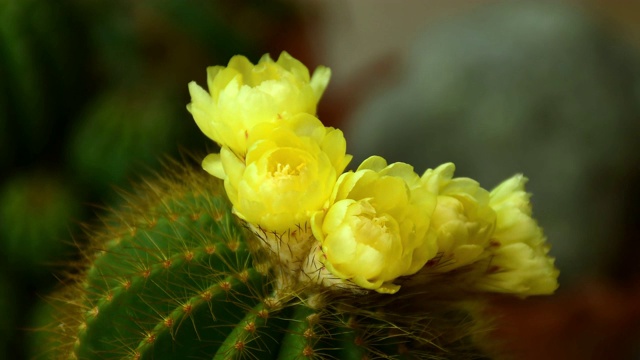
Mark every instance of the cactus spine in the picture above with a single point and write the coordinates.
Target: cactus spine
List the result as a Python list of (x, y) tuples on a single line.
[(174, 275)]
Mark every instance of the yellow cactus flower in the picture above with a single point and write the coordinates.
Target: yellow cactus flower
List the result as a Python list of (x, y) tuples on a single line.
[(375, 229), (463, 221), (519, 262), (243, 95), (288, 174)]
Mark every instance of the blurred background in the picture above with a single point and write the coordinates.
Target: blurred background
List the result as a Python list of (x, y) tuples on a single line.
[(93, 96)]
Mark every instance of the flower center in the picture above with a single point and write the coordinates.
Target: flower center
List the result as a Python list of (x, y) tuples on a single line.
[(286, 164), (287, 170), (372, 227)]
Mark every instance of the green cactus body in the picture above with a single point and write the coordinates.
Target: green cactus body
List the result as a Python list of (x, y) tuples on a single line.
[(175, 276)]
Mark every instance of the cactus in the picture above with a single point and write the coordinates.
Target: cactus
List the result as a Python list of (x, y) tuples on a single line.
[(175, 275), (294, 258)]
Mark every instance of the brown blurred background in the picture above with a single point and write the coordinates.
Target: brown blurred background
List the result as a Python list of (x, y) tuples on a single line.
[(93, 95)]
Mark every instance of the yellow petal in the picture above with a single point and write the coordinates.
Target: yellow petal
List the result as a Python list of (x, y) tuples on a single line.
[(320, 80), (375, 163), (213, 166)]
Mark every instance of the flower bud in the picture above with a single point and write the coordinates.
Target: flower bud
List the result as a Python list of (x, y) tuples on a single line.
[(375, 229), (243, 95), (519, 260), (463, 221)]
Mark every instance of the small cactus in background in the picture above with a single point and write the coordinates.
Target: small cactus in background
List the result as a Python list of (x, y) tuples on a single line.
[(122, 129), (285, 255), (37, 210)]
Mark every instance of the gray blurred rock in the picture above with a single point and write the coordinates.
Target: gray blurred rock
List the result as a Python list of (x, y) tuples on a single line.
[(535, 88)]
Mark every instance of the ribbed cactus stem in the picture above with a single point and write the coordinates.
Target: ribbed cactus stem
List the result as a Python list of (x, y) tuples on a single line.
[(259, 331), (302, 334), (205, 318), (174, 275)]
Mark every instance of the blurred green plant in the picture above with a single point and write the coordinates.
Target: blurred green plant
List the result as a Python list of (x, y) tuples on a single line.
[(90, 90), (120, 131), (37, 212)]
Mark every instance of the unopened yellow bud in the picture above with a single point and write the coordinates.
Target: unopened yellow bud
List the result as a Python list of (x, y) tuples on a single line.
[(519, 262), (463, 221)]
